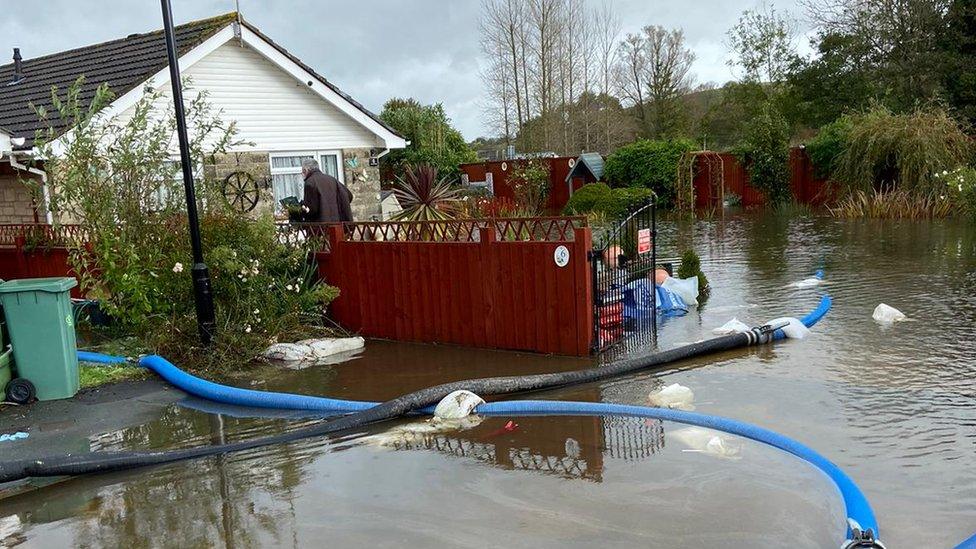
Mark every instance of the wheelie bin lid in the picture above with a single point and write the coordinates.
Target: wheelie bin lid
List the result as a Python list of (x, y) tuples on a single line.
[(54, 284)]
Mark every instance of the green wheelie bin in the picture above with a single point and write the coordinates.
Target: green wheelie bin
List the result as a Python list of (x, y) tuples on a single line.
[(42, 334)]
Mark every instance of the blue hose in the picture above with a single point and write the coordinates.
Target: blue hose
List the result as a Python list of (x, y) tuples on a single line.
[(856, 505), (267, 399), (969, 543)]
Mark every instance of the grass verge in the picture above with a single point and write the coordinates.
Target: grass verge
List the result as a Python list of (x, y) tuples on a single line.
[(94, 375)]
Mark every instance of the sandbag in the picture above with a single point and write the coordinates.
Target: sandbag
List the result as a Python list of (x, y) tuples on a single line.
[(706, 441), (313, 350), (686, 288), (887, 314), (794, 330), (734, 326), (457, 405)]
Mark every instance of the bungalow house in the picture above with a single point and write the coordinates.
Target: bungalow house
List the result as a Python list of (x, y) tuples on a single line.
[(283, 109)]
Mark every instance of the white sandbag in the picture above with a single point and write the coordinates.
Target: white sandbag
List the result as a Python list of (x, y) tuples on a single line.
[(313, 351), (674, 396), (706, 441), (686, 288), (887, 314), (321, 348), (287, 352), (457, 405), (734, 326), (794, 329)]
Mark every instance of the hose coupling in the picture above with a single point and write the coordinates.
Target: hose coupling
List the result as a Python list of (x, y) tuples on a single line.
[(861, 538)]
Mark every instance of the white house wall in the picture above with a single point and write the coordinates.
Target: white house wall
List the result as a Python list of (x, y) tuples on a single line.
[(273, 110)]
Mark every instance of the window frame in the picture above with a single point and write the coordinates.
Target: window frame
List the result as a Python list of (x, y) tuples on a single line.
[(316, 154)]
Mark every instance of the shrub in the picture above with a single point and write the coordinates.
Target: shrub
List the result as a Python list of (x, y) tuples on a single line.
[(624, 200), (895, 204), (825, 149), (960, 187), (586, 198), (691, 266), (649, 164), (767, 154), (904, 151), (114, 178), (530, 184), (423, 196), (598, 198)]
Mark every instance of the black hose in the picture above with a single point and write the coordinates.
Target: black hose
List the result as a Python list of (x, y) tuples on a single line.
[(100, 462)]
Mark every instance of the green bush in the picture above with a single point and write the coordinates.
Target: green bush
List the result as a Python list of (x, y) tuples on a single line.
[(586, 198), (601, 199), (904, 151), (113, 176), (691, 266), (649, 164), (825, 149), (960, 187), (767, 154)]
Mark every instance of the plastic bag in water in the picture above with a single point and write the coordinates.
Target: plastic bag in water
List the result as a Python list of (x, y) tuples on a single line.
[(457, 405), (794, 329), (887, 314), (675, 396), (686, 288), (734, 326)]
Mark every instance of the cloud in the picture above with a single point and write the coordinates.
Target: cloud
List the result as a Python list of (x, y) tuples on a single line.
[(372, 49)]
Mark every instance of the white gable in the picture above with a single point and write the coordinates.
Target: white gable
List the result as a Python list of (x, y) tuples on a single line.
[(273, 110)]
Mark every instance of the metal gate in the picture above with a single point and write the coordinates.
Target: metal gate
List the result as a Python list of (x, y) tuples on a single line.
[(624, 296)]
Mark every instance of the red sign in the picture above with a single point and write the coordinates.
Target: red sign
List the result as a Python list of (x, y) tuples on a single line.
[(643, 241)]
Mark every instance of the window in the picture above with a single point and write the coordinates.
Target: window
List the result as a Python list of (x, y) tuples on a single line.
[(286, 172), (160, 197)]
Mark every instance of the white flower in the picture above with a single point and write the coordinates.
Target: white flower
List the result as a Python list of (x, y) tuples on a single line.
[(288, 287), (945, 172), (247, 328), (178, 268), (256, 311)]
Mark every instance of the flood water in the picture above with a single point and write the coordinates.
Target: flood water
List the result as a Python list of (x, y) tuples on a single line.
[(893, 406)]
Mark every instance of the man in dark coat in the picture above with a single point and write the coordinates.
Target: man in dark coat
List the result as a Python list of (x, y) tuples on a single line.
[(326, 199)]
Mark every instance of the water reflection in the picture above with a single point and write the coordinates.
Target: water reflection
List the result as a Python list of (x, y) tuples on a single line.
[(893, 407)]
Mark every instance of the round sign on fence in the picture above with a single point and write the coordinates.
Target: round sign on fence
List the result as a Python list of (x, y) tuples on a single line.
[(561, 256)]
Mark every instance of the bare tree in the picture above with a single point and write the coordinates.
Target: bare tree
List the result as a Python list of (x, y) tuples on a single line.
[(503, 42), (668, 78), (606, 30)]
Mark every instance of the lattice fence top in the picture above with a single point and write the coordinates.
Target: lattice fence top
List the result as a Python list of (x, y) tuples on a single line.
[(521, 229), (42, 234)]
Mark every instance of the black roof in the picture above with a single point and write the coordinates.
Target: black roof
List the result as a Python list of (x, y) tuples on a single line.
[(123, 64)]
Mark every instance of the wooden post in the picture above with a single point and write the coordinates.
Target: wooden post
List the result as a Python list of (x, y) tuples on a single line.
[(582, 245), (487, 243)]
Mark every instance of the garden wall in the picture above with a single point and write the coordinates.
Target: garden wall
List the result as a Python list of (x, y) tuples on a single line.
[(492, 284)]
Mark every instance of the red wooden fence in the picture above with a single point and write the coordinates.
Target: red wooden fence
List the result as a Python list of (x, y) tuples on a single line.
[(806, 187), (492, 284), (559, 168), (37, 251)]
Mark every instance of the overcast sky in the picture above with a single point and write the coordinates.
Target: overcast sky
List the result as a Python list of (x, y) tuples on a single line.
[(372, 49)]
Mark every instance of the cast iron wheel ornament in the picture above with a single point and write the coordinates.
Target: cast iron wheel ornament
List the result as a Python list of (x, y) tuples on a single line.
[(241, 191)]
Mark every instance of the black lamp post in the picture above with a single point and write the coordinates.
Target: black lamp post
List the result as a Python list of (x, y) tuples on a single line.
[(202, 294)]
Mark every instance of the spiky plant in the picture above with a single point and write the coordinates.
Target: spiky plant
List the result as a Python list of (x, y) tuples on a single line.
[(423, 196)]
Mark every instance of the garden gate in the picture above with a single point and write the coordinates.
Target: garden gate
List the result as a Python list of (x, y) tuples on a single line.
[(624, 300)]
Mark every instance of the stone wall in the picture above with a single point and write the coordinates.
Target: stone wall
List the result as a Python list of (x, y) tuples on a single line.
[(254, 163), (16, 202), (364, 182)]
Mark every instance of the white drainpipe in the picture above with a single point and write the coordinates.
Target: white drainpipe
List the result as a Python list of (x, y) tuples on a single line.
[(47, 197)]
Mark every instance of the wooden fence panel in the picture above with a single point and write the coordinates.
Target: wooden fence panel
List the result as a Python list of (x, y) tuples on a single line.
[(491, 291)]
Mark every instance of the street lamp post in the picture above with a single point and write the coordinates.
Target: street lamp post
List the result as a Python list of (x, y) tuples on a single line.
[(202, 294)]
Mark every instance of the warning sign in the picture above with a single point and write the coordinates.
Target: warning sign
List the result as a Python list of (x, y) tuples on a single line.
[(643, 241)]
